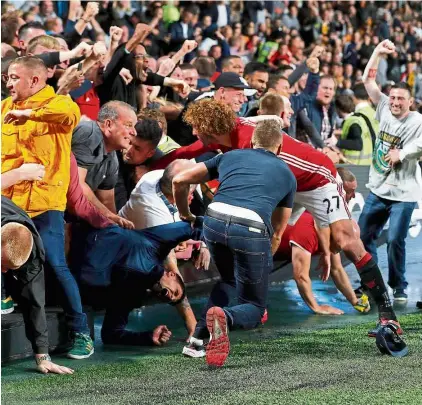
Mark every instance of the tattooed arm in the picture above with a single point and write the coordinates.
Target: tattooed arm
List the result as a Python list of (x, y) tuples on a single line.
[(370, 73), (184, 309)]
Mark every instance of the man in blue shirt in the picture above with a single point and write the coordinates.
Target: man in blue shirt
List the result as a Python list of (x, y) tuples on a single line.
[(117, 268), (242, 228)]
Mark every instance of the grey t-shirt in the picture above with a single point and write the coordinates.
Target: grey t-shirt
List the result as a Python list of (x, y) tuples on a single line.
[(90, 153), (403, 182)]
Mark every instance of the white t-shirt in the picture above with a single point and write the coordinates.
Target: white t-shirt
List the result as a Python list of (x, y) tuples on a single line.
[(145, 207), (403, 182), (222, 15)]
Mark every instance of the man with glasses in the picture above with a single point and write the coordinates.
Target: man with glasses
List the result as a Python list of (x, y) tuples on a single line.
[(94, 144)]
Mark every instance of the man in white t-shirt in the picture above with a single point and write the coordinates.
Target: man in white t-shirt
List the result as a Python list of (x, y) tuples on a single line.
[(395, 177), (151, 204)]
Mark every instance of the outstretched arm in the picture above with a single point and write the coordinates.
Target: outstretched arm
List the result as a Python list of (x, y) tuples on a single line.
[(181, 183), (370, 73)]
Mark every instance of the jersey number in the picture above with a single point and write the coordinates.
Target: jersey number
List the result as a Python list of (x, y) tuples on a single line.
[(334, 197)]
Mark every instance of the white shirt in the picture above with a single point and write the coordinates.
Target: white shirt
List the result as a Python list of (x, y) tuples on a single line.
[(185, 30), (145, 207), (222, 15)]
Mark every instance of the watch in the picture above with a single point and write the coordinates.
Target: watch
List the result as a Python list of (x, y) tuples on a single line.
[(39, 359), (203, 245)]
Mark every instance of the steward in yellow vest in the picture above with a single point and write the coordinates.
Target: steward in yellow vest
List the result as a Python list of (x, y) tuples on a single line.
[(358, 130)]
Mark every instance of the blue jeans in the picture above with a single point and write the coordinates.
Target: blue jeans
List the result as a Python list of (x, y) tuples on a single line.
[(244, 261), (50, 226), (374, 216)]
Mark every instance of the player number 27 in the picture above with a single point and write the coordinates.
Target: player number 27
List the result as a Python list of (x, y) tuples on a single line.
[(337, 206)]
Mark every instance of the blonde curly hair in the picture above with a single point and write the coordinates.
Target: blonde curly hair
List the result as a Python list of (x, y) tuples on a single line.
[(211, 117)]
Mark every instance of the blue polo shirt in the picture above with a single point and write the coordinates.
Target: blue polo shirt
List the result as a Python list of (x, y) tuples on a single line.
[(255, 179), (98, 253)]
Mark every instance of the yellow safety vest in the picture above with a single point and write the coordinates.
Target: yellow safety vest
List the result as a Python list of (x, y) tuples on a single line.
[(364, 156)]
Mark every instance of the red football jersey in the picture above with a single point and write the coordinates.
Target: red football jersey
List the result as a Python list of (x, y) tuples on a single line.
[(302, 233), (311, 167)]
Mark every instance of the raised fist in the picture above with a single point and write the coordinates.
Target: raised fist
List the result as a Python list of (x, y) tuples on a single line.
[(313, 64), (385, 47), (141, 29), (91, 10), (82, 49), (317, 52), (115, 33), (99, 49)]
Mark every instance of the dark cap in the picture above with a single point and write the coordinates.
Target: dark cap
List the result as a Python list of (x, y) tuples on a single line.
[(233, 80)]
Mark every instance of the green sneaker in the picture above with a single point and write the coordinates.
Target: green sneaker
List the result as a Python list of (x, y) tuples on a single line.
[(7, 306), (82, 348)]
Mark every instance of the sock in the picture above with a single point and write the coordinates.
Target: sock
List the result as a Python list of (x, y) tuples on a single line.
[(371, 278)]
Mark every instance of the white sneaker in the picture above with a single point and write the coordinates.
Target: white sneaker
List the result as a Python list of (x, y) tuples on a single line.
[(195, 348)]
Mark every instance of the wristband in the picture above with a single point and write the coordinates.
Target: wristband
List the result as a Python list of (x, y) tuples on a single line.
[(203, 245), (40, 359)]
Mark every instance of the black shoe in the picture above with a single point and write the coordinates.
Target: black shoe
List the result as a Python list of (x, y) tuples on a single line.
[(400, 295), (359, 292)]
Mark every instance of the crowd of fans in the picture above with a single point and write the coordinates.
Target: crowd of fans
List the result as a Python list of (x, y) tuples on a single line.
[(133, 69)]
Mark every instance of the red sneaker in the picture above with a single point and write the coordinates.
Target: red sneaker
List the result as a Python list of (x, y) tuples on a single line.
[(383, 322), (264, 317), (218, 347)]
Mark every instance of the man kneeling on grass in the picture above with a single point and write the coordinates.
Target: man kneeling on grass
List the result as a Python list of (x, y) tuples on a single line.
[(119, 268)]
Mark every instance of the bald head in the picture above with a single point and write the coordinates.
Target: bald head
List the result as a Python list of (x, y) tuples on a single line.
[(172, 170), (16, 245)]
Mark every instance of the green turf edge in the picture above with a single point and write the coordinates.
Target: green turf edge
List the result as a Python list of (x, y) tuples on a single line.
[(332, 366)]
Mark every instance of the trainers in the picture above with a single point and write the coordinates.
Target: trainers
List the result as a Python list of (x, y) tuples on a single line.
[(219, 346), (195, 348), (7, 306), (384, 322), (399, 295), (82, 347), (363, 305)]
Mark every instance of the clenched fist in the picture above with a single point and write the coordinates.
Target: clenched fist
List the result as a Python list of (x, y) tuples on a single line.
[(115, 33), (385, 47)]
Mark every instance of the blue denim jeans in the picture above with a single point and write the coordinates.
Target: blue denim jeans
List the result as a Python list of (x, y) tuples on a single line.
[(244, 261), (375, 215), (50, 226)]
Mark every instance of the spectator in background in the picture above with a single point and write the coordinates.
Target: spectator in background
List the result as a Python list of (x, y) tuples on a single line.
[(190, 75), (321, 110), (205, 66), (166, 144), (10, 24), (233, 64), (46, 11), (183, 29), (355, 138)]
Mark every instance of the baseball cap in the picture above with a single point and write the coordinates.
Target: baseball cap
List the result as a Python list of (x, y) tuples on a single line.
[(233, 80)]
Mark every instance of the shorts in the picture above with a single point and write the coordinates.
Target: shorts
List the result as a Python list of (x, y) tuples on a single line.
[(327, 204)]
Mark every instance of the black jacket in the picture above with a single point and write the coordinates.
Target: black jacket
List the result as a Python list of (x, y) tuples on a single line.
[(26, 285), (113, 86)]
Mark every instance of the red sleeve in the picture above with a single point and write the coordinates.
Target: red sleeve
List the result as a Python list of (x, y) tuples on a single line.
[(78, 204), (304, 234), (185, 152)]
